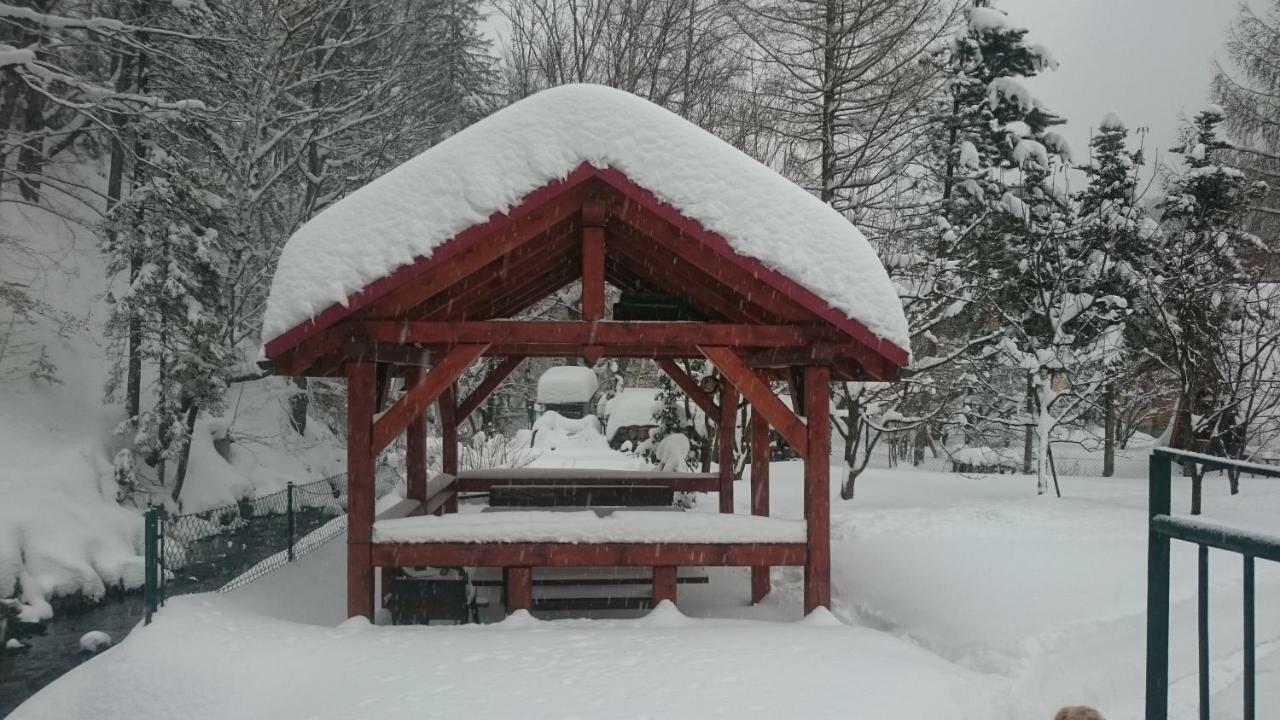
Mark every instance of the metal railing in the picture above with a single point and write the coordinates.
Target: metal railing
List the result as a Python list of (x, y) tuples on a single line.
[(1163, 527), (226, 547)]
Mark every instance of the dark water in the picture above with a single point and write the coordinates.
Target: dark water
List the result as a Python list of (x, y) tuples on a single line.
[(57, 650), (212, 563)]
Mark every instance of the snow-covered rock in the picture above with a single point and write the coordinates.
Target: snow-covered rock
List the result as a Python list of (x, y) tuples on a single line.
[(94, 641)]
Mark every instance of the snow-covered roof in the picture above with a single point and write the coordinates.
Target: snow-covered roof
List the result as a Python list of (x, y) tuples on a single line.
[(567, 384), (489, 167)]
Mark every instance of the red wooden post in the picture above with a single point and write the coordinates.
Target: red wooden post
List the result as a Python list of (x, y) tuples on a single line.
[(664, 583), (759, 494), (727, 431), (593, 217), (519, 583), (361, 378), (416, 448), (449, 439), (817, 489)]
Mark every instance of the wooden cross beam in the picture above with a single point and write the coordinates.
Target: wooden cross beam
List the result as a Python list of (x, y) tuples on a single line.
[(689, 386), (577, 334), (415, 401), (486, 387), (757, 391), (593, 217)]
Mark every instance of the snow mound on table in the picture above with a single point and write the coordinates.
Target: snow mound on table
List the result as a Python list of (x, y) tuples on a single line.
[(489, 167), (632, 406), (586, 526), (567, 384), (200, 659)]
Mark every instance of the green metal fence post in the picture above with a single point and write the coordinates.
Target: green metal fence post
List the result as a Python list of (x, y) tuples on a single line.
[(289, 499), (152, 559), (1160, 480)]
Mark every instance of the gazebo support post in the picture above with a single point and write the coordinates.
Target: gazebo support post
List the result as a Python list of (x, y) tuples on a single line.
[(416, 447), (361, 381), (760, 582), (448, 409), (727, 432), (817, 488), (519, 587), (664, 583)]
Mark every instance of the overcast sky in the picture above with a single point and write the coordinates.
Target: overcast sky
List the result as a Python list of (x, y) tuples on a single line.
[(1146, 60)]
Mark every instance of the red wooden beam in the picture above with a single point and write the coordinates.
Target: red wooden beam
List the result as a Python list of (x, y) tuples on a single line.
[(515, 270), (532, 554), (416, 400), (789, 288), (361, 379), (634, 253), (577, 334), (486, 387), (685, 250), (664, 583), (686, 482), (760, 583), (689, 386), (593, 216), (760, 395), (416, 447), (537, 211), (727, 432), (817, 489)]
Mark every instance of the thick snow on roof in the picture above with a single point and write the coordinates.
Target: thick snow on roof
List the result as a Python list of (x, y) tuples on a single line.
[(567, 384), (492, 165)]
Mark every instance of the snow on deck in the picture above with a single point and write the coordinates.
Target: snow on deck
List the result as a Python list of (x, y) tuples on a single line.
[(577, 473), (492, 165), (201, 660), (586, 526)]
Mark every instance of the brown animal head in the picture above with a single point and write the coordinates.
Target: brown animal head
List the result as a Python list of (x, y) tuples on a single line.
[(1078, 712)]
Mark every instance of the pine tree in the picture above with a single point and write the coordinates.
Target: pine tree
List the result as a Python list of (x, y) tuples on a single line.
[(1201, 272)]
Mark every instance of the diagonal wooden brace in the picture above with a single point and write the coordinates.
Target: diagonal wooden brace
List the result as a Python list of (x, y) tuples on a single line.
[(757, 392), (420, 396), (690, 387), (487, 386)]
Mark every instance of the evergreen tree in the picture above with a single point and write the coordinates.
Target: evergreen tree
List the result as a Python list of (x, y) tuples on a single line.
[(1201, 268)]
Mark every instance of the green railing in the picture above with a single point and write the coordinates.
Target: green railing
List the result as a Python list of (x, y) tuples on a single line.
[(229, 546), (1163, 527)]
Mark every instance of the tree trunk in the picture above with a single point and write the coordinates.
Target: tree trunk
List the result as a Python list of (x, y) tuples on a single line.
[(299, 401), (31, 154), (1109, 431), (1028, 435), (180, 476)]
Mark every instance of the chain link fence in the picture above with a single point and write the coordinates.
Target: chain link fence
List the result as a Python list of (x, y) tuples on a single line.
[(226, 547)]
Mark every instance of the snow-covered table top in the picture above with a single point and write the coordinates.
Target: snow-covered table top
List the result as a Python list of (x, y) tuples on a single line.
[(586, 526)]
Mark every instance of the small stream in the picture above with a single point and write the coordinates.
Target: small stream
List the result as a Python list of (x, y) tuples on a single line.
[(214, 561)]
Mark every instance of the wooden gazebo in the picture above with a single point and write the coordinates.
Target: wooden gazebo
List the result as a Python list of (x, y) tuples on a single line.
[(689, 290)]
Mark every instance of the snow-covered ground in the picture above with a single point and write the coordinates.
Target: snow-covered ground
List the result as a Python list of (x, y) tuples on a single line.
[(958, 597)]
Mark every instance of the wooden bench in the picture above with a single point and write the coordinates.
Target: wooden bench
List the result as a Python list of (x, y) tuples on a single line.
[(577, 495)]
